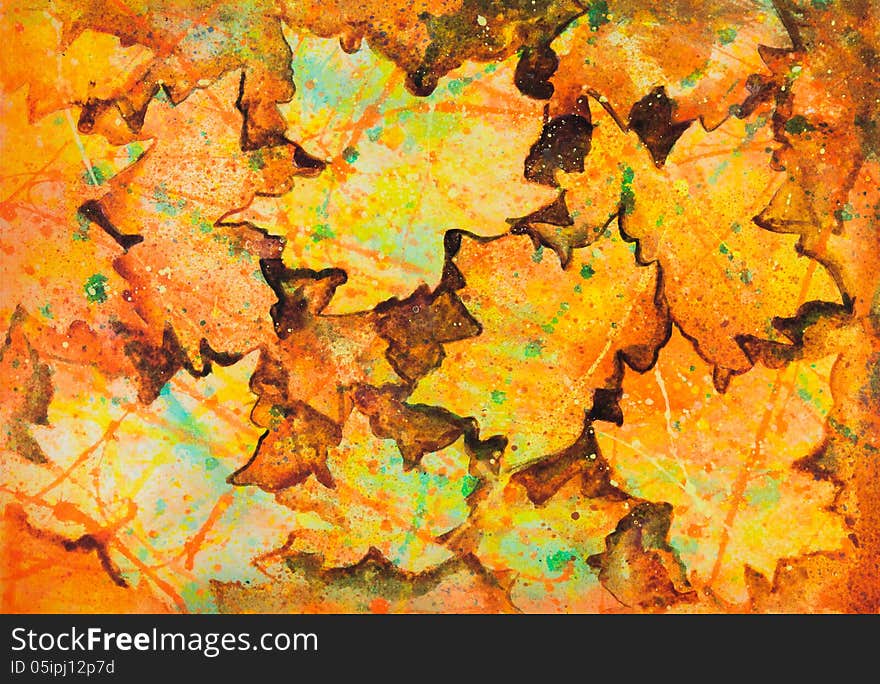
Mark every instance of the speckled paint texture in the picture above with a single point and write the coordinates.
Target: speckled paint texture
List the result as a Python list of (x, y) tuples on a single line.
[(440, 306)]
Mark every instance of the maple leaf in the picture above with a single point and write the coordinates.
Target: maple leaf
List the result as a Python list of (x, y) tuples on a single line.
[(825, 123), (733, 189), (183, 246), (26, 393), (58, 280), (626, 52), (373, 360), (60, 70), (149, 481), (638, 565), (382, 389), (429, 38), (401, 172), (541, 552), (693, 216), (373, 584), (38, 558), (824, 110), (805, 584), (375, 502), (193, 44), (547, 323), (728, 470), (546, 320)]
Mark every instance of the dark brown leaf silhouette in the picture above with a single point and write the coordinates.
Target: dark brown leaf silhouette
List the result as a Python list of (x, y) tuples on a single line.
[(638, 565)]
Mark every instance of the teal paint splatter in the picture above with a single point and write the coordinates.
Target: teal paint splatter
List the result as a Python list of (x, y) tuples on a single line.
[(538, 254), (557, 561), (691, 80), (81, 234), (753, 128), (457, 86), (163, 202), (844, 430), (177, 413), (597, 14), (846, 213), (350, 155)]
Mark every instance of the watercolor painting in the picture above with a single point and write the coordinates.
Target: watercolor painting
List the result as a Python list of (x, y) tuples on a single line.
[(440, 306)]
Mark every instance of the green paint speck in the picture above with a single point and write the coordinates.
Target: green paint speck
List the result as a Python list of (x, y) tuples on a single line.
[(797, 125), (135, 151), (690, 81), (469, 484), (97, 174), (538, 254), (322, 232), (499, 397), (587, 271), (211, 463), (533, 349), (627, 196), (766, 495), (257, 162), (95, 289), (727, 36), (456, 86)]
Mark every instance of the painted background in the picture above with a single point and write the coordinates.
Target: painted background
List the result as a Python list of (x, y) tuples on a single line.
[(439, 306)]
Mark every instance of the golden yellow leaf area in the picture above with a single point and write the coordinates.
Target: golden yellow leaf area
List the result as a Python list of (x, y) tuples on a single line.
[(476, 306), (725, 464)]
